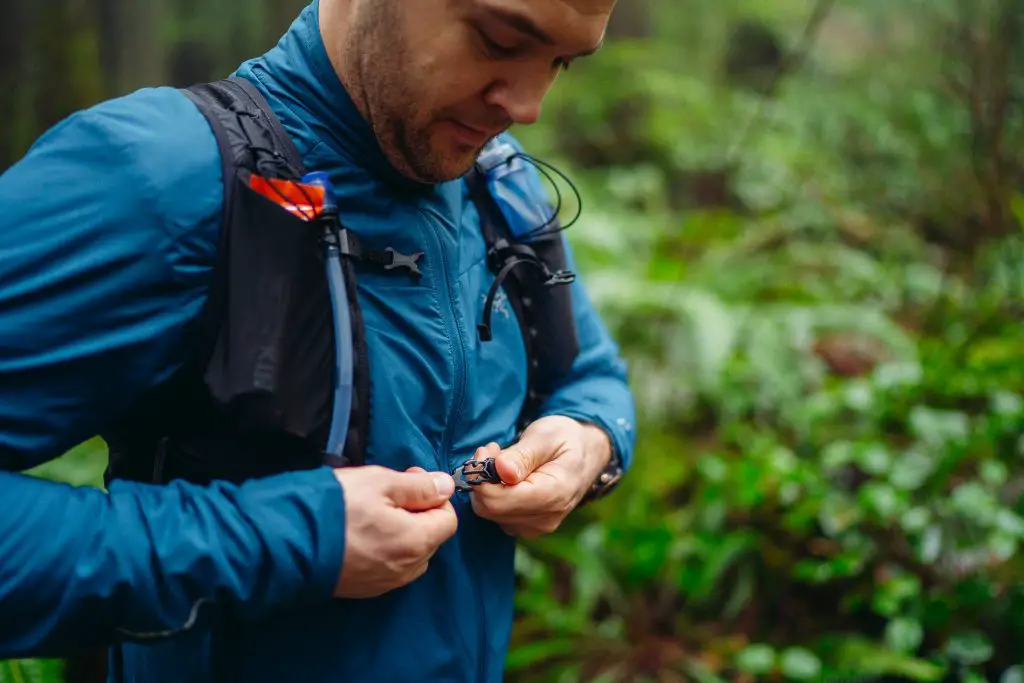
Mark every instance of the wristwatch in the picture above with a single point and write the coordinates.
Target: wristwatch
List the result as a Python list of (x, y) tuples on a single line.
[(606, 481)]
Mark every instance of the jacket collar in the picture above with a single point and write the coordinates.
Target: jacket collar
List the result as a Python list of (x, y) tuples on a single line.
[(298, 74)]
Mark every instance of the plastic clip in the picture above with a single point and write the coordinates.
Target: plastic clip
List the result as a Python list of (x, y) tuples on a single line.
[(475, 472)]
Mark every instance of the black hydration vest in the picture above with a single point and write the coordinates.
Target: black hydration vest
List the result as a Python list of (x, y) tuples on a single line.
[(256, 397)]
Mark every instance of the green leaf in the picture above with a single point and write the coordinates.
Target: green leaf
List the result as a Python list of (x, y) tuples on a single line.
[(838, 513), (874, 459), (858, 657), (1017, 208), (903, 634), (993, 472), (881, 498), (1015, 674), (916, 519), (713, 468), (800, 664), (939, 427), (1002, 546), (31, 671), (757, 659), (719, 556), (971, 648), (911, 470), (974, 502), (893, 595), (931, 543), (1010, 523), (541, 651)]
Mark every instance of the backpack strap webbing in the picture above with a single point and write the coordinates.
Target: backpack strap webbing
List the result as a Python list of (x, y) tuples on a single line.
[(250, 136)]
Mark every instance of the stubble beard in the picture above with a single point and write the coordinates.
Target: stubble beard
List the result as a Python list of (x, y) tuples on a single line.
[(401, 126), (389, 101)]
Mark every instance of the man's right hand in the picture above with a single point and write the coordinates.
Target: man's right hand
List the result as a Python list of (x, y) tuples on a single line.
[(395, 522)]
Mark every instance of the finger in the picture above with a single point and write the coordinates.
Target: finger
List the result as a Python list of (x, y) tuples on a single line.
[(502, 503), (543, 492), (434, 527), (515, 463), (420, 490), (414, 468), (491, 450), (520, 519)]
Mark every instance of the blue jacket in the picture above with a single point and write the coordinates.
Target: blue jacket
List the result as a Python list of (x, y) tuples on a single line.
[(108, 230)]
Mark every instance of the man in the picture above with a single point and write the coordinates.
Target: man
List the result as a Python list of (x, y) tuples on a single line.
[(109, 243)]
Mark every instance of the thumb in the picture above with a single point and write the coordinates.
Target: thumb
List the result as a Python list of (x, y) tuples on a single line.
[(518, 461), (420, 490)]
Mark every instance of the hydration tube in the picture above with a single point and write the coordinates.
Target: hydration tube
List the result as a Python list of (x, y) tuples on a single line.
[(342, 321)]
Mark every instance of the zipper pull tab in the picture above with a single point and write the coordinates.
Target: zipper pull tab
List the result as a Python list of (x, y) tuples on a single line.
[(475, 472)]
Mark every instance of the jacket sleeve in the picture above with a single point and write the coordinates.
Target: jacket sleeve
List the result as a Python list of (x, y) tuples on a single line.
[(597, 390), (108, 229)]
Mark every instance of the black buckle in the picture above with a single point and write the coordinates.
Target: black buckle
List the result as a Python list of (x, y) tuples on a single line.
[(350, 245), (475, 472), (560, 277), (407, 261)]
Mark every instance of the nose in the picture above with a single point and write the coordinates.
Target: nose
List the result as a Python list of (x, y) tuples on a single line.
[(519, 97)]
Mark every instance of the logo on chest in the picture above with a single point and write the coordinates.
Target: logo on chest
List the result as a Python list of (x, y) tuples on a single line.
[(501, 304)]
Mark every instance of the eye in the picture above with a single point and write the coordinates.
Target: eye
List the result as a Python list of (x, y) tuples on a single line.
[(494, 48)]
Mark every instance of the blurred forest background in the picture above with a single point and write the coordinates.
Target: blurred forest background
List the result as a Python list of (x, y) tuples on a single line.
[(801, 219)]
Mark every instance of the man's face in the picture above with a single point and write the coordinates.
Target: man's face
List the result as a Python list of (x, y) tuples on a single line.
[(439, 78)]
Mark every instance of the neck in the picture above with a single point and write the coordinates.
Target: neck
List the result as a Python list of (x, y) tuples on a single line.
[(337, 22)]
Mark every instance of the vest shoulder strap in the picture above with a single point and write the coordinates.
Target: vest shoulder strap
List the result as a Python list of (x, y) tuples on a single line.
[(251, 137), (531, 265)]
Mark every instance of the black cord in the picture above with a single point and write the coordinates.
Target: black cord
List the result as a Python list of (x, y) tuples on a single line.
[(546, 170)]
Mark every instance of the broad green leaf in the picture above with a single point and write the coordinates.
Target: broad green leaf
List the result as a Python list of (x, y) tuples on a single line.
[(757, 659), (931, 544), (1015, 674), (799, 664), (874, 459), (882, 499), (993, 472), (910, 470), (971, 648), (903, 634)]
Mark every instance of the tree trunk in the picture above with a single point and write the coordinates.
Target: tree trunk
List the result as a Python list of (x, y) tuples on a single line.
[(132, 44), (13, 57)]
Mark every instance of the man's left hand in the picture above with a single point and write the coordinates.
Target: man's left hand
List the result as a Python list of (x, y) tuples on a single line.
[(545, 475)]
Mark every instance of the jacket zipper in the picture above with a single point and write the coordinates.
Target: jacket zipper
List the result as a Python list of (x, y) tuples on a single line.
[(452, 320), (456, 343)]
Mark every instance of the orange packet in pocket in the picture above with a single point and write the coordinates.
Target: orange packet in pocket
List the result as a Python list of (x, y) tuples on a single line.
[(300, 199)]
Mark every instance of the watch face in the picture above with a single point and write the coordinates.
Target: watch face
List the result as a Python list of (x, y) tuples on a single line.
[(605, 482)]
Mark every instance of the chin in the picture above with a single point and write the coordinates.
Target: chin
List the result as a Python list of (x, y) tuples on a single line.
[(448, 161), (454, 164)]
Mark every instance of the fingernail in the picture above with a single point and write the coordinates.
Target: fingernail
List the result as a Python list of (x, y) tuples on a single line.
[(444, 484)]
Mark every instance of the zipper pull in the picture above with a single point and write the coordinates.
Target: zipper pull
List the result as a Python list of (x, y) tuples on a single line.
[(475, 472)]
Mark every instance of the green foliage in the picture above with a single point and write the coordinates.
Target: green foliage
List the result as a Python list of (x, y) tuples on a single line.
[(828, 483), (31, 671)]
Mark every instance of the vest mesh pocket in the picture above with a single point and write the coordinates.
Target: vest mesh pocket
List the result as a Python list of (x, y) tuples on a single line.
[(274, 343)]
